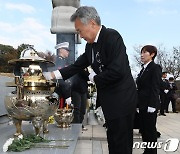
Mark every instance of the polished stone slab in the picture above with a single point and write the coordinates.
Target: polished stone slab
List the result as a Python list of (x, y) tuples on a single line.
[(66, 136)]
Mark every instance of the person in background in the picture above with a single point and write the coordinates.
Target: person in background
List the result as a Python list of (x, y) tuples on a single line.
[(62, 91), (79, 94), (148, 87), (163, 93), (106, 53), (171, 95), (62, 55)]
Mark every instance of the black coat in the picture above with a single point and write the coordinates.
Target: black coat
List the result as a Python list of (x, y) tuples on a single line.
[(164, 85), (116, 91), (172, 89), (148, 85), (63, 88), (79, 82)]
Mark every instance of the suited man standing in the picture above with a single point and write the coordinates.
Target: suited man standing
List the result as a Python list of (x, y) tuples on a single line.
[(163, 93), (105, 52), (148, 84), (171, 95)]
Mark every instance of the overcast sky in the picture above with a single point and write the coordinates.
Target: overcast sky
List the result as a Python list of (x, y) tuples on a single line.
[(139, 22)]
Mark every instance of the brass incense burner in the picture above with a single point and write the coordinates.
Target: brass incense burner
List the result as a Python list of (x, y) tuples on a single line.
[(64, 117), (29, 100)]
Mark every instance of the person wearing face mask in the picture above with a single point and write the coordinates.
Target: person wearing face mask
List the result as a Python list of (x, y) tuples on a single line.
[(106, 53), (148, 87)]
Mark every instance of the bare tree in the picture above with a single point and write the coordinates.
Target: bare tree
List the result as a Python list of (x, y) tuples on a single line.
[(168, 60), (171, 62), (137, 55), (48, 55)]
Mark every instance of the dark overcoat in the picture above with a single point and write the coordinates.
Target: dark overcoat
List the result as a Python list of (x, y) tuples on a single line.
[(148, 85), (116, 91)]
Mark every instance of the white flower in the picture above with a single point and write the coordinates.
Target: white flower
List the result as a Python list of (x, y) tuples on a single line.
[(7, 144), (20, 136)]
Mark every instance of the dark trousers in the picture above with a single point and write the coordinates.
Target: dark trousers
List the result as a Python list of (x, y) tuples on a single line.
[(173, 102), (120, 135), (79, 101), (163, 104), (148, 129)]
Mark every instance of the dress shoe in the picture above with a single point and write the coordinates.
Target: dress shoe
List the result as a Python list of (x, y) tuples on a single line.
[(167, 111), (162, 114), (158, 134), (84, 128), (175, 112), (105, 125)]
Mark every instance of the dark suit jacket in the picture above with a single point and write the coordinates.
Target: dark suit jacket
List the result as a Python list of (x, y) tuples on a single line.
[(164, 85), (163, 95), (172, 89), (79, 82), (116, 91), (148, 85)]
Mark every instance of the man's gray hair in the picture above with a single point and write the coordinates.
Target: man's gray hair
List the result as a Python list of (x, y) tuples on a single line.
[(85, 14)]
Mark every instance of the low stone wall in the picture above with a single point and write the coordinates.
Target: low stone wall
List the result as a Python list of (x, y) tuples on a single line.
[(4, 91), (178, 104)]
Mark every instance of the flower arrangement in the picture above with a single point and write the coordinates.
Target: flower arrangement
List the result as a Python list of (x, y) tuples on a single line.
[(9, 142), (22, 143)]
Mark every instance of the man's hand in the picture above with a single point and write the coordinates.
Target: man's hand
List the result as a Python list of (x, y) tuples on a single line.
[(151, 109), (166, 91), (91, 76), (47, 75), (68, 101)]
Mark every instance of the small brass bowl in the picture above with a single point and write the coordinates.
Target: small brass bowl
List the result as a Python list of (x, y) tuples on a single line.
[(64, 117)]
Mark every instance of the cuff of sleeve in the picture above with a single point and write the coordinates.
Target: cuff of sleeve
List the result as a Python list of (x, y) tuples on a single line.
[(57, 74), (151, 109)]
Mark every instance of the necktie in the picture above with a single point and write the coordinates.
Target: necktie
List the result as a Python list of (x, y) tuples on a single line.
[(141, 72)]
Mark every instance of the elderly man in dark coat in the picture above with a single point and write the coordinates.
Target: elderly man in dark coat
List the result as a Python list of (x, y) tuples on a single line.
[(116, 91)]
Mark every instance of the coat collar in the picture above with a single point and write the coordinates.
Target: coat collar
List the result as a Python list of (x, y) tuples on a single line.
[(97, 36), (101, 34), (147, 68), (150, 65), (145, 65)]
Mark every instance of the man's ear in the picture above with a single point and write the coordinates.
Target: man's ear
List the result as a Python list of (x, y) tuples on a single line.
[(93, 22), (152, 54)]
